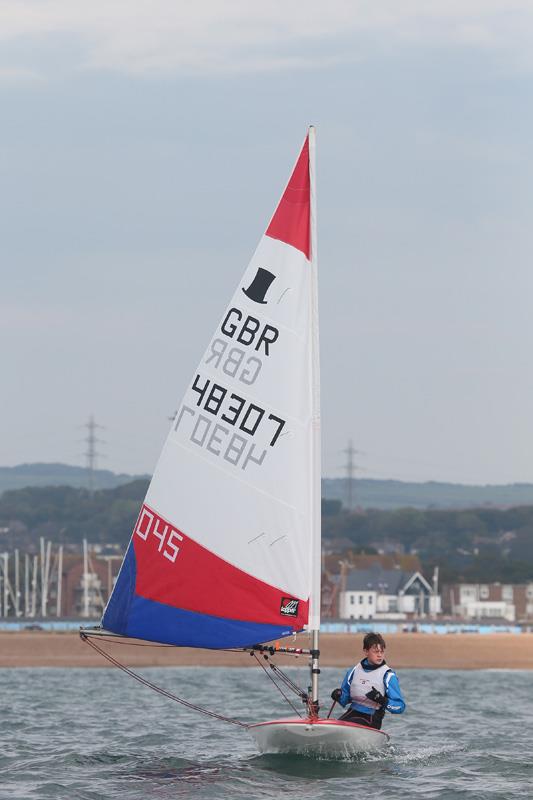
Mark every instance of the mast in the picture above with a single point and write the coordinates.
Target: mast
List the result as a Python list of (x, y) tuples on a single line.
[(17, 584), (26, 585), (314, 616), (43, 578), (59, 580), (34, 585), (5, 557), (85, 580)]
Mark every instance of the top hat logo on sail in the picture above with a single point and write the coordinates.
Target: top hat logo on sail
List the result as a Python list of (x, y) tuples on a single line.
[(260, 285)]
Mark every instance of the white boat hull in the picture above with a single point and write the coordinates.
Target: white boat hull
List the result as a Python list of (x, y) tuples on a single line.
[(326, 738)]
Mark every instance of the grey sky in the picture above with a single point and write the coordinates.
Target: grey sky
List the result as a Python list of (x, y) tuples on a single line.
[(142, 155)]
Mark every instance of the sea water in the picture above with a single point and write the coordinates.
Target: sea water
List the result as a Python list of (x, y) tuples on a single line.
[(96, 733)]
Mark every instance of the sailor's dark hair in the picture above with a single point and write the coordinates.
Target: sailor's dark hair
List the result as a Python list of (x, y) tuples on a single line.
[(372, 639)]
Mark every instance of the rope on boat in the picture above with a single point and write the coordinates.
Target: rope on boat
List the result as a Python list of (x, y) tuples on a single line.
[(289, 683), (84, 637), (264, 651), (280, 690), (112, 638)]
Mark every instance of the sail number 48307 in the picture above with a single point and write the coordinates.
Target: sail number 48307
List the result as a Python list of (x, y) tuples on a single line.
[(245, 416), (149, 524)]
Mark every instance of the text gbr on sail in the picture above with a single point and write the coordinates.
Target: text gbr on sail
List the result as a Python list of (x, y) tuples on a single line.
[(246, 332)]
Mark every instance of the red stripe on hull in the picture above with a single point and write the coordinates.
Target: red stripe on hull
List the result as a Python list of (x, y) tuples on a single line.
[(333, 723), (291, 221), (175, 570)]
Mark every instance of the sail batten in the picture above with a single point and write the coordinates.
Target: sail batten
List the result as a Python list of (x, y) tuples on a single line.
[(223, 553)]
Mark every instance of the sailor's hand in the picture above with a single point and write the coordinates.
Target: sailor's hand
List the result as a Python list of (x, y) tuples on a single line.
[(336, 695), (377, 697)]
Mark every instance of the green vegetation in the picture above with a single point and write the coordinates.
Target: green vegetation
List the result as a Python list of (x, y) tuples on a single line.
[(65, 514), (480, 544)]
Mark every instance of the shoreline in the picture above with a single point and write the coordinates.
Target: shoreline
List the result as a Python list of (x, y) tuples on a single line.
[(404, 651)]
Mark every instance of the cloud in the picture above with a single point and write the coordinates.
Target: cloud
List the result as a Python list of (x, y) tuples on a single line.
[(19, 75), (208, 36)]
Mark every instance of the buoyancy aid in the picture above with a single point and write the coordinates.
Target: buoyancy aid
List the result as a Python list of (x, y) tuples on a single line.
[(362, 682)]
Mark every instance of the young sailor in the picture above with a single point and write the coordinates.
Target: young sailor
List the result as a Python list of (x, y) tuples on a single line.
[(370, 687)]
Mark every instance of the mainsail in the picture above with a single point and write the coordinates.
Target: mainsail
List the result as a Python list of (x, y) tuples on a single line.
[(226, 548)]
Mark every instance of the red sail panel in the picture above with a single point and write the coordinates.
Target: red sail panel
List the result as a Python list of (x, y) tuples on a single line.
[(291, 221), (174, 569)]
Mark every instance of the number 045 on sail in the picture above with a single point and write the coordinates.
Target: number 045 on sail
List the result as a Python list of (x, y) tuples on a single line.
[(225, 552)]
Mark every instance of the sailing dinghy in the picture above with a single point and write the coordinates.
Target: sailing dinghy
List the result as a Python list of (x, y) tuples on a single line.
[(225, 553)]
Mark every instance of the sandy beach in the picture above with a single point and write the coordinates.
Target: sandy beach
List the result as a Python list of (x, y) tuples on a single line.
[(404, 650)]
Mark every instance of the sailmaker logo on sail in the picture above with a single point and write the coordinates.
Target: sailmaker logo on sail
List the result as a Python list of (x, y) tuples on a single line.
[(289, 607)]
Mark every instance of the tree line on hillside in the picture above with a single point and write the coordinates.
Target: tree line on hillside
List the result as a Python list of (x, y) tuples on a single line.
[(66, 514), (485, 544)]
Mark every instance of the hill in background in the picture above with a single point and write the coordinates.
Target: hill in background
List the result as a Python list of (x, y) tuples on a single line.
[(24, 475), (389, 494), (367, 493)]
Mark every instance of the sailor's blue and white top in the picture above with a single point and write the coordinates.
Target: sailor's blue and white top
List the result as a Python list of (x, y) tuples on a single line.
[(364, 677)]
